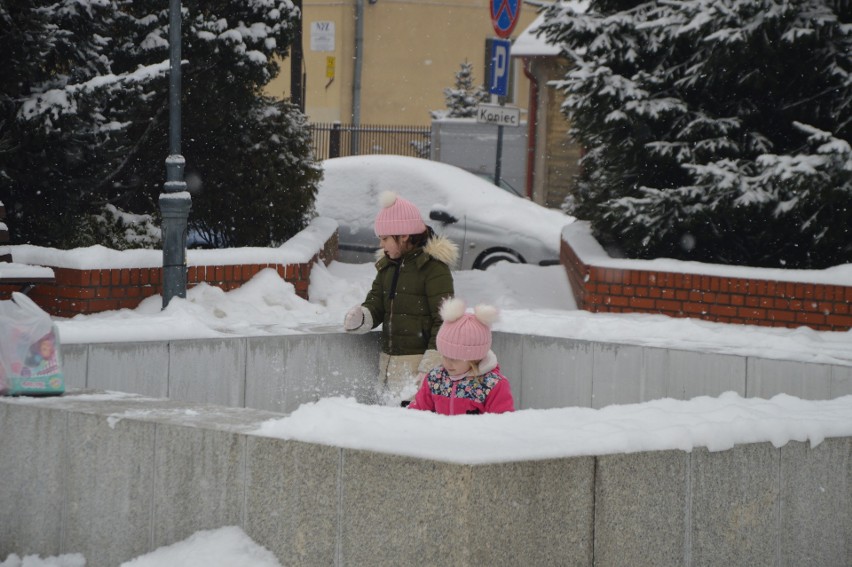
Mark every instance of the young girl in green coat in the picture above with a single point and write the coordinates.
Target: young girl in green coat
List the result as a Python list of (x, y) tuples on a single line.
[(413, 278)]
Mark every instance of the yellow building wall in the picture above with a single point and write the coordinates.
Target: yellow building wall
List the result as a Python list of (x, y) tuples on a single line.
[(412, 51)]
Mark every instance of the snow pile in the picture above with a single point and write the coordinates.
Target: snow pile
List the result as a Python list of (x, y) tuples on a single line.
[(659, 425), (223, 547)]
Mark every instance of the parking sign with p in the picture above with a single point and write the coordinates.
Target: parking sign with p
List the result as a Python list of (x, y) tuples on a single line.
[(498, 67)]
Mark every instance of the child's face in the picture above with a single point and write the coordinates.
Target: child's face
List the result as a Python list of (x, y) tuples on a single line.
[(46, 348), (455, 366), (393, 246)]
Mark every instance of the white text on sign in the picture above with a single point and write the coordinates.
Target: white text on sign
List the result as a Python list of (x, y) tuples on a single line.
[(500, 115)]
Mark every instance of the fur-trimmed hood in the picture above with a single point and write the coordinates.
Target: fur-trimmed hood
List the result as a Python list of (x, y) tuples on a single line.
[(443, 249)]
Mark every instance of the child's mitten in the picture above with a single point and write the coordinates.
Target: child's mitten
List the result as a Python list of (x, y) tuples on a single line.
[(358, 320)]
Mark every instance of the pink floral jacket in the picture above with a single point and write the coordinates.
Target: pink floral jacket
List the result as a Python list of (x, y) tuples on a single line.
[(488, 393)]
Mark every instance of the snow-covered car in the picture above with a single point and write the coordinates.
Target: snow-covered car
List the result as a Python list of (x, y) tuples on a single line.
[(488, 224)]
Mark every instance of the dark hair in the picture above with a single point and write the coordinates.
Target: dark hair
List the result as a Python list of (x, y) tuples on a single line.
[(419, 240)]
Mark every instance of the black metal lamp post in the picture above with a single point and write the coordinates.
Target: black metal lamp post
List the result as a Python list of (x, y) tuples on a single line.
[(175, 201)]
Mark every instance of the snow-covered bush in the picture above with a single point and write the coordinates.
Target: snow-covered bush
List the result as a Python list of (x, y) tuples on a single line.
[(462, 99), (118, 230)]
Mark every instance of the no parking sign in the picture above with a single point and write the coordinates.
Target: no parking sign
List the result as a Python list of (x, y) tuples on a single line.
[(504, 16)]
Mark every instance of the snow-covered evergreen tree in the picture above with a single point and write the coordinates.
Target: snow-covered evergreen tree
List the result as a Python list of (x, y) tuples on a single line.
[(55, 129), (463, 99), (716, 130), (85, 120)]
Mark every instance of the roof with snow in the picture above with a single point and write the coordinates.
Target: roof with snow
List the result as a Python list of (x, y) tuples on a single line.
[(528, 44)]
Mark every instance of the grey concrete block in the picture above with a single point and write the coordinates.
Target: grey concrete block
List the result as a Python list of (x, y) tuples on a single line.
[(109, 476), (768, 377), (75, 360), (558, 373), (404, 511), (297, 371), (509, 348), (530, 513), (286, 372), (199, 481), (641, 509), (689, 373), (346, 365), (140, 368), (292, 500), (735, 506), (208, 370), (32, 441), (816, 504), (266, 372), (620, 377), (841, 381)]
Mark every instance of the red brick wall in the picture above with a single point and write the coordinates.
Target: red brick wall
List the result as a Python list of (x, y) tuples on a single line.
[(91, 291), (713, 298)]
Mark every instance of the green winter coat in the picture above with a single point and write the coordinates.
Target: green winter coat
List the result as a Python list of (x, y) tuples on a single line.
[(407, 293)]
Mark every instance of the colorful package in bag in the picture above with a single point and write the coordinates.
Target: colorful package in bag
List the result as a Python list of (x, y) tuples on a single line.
[(30, 360)]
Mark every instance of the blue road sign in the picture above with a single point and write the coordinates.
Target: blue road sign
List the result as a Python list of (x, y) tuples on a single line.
[(504, 16), (498, 68)]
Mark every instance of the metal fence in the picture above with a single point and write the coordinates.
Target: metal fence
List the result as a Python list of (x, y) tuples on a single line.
[(336, 140)]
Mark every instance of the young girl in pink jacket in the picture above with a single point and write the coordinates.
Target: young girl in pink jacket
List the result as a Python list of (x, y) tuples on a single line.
[(468, 380)]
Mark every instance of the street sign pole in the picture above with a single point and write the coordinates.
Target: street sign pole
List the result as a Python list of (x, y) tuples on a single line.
[(175, 201), (499, 88), (498, 164), (504, 17)]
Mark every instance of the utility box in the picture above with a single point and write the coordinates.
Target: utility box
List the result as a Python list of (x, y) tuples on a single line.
[(470, 145)]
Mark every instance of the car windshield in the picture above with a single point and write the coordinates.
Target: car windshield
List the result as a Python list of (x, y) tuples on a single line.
[(504, 185)]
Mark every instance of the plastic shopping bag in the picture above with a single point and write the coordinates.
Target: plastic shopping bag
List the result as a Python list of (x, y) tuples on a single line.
[(30, 361)]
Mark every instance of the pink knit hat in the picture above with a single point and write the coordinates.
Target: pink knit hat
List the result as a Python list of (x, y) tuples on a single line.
[(465, 336), (398, 216)]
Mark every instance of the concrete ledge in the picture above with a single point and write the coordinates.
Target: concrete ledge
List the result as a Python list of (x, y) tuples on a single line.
[(113, 476), (280, 373)]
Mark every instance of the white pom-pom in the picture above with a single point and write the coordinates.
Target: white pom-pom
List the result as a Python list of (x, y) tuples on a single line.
[(452, 309), (486, 314), (387, 198)]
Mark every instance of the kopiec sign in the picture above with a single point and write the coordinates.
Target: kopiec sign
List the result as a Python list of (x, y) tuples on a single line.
[(500, 115)]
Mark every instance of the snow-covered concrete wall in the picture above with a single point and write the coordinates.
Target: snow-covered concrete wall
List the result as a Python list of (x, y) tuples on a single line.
[(113, 476), (280, 373)]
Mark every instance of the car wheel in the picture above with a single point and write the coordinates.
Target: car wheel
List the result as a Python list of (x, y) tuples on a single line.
[(491, 257)]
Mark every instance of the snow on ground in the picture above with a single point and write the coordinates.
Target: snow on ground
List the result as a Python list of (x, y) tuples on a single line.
[(224, 547), (532, 299), (717, 423)]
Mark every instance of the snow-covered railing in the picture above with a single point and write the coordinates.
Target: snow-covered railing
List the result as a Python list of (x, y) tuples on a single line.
[(280, 373)]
